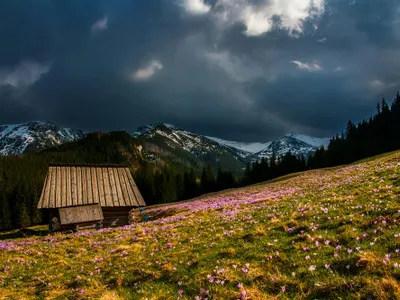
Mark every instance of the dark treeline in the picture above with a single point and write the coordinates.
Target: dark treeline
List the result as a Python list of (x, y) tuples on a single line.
[(22, 177), (21, 181), (378, 134), (169, 184), (274, 167)]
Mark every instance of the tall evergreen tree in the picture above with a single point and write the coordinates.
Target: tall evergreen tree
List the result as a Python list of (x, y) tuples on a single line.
[(5, 212), (24, 219), (190, 184), (207, 180)]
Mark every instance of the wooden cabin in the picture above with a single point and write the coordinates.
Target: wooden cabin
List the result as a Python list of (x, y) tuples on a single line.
[(89, 196)]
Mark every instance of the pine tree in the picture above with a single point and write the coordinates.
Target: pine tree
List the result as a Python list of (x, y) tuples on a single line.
[(273, 166), (395, 122), (378, 109), (190, 185), (5, 213), (180, 188), (168, 187), (246, 180), (385, 107), (224, 180), (24, 219), (207, 180)]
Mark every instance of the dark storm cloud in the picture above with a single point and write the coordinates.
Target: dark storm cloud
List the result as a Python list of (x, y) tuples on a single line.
[(314, 102), (109, 65)]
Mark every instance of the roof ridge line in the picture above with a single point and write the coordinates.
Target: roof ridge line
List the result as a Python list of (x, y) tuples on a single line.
[(88, 165)]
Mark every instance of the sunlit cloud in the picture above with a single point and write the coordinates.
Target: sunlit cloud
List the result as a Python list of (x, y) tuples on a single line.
[(311, 67), (195, 7), (148, 71), (263, 17)]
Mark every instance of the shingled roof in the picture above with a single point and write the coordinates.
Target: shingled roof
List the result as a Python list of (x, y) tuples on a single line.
[(74, 185)]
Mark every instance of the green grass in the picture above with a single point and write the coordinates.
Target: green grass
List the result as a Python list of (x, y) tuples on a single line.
[(322, 234)]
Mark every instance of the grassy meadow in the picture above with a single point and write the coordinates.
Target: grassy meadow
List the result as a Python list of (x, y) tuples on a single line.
[(322, 234)]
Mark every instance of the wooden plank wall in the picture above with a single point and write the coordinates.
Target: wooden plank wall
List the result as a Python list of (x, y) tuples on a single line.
[(78, 214), (111, 217)]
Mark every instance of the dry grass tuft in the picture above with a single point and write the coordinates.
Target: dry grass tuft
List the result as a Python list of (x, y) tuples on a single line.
[(369, 261), (110, 295)]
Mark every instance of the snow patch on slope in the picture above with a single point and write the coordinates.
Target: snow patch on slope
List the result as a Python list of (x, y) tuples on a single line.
[(194, 143), (247, 147), (38, 135), (313, 141)]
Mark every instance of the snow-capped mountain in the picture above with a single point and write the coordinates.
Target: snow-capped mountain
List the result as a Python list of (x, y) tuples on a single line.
[(194, 143), (170, 140), (34, 136), (149, 127), (297, 144), (313, 141), (176, 144)]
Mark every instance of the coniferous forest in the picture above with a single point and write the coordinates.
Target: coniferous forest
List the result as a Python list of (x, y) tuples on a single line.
[(22, 177), (378, 134)]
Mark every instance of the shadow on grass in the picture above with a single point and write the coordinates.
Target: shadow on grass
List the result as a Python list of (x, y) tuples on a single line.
[(151, 215), (22, 233)]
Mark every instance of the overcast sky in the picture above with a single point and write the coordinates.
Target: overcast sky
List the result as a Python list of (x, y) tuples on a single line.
[(248, 70)]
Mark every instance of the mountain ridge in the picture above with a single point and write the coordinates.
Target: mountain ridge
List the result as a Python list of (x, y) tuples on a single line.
[(167, 142), (34, 136), (160, 138)]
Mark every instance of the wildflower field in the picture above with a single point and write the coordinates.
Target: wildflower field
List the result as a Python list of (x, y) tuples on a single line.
[(331, 233)]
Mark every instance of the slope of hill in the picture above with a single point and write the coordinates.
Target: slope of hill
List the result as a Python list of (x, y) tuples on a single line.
[(330, 233), (34, 136)]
